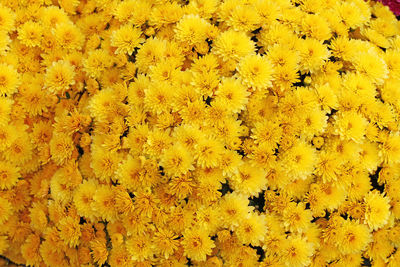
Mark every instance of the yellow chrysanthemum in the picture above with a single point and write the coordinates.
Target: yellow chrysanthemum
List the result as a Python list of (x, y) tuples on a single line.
[(249, 180), (252, 229), (68, 36), (300, 160), (297, 252), (30, 34), (353, 237), (197, 244), (9, 175), (126, 39), (390, 149), (59, 77), (296, 218), (256, 71), (99, 250), (351, 125), (233, 44), (233, 208), (232, 94), (7, 18), (61, 148), (9, 79), (70, 231), (177, 160), (377, 210), (5, 210)]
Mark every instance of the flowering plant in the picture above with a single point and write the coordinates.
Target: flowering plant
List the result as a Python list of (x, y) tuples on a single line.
[(202, 132)]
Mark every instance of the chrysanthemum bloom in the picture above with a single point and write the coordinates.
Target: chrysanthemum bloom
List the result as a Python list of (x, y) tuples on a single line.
[(300, 160), (377, 210), (191, 29), (256, 71), (297, 252), (5, 210), (176, 160), (353, 237), (99, 250), (166, 242), (68, 36), (252, 229), (351, 125), (249, 180), (208, 152), (59, 77), (233, 208), (233, 44), (30, 33), (390, 148), (9, 79), (297, 218), (70, 231), (61, 148), (197, 244), (7, 18), (9, 175), (126, 39), (83, 197)]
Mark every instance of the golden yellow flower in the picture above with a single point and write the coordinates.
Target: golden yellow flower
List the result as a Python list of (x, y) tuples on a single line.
[(126, 39)]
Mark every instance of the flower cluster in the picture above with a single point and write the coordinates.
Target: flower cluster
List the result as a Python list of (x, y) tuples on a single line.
[(202, 132)]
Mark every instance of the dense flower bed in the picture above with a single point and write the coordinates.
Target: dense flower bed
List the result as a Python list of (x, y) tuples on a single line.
[(204, 132)]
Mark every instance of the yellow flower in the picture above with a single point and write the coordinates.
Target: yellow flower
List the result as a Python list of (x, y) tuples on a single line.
[(232, 94), (158, 97), (197, 244), (353, 237), (249, 180), (390, 149), (126, 39), (140, 247), (104, 163), (59, 77), (376, 210), (191, 29), (176, 160), (252, 229), (99, 250), (83, 196), (313, 55), (296, 218), (351, 125), (256, 71), (233, 208), (9, 80), (233, 44), (70, 231), (299, 160), (5, 210), (61, 148), (30, 34), (208, 152), (165, 242), (7, 18), (9, 175), (371, 66), (104, 203), (297, 252), (68, 36)]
